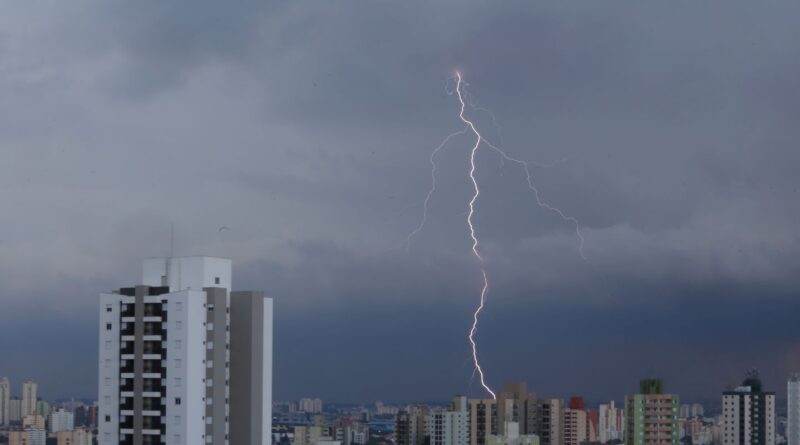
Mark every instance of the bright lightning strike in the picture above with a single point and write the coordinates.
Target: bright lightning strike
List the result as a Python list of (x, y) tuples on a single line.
[(432, 190), (470, 126), (477, 192)]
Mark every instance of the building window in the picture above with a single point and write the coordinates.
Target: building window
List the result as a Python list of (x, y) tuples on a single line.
[(210, 326), (210, 345), (177, 400), (216, 280), (108, 308), (108, 326)]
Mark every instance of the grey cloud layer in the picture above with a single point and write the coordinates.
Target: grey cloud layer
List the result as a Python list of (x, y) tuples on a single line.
[(309, 125)]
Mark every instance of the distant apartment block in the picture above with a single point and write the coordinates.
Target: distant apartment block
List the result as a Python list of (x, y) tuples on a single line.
[(651, 416), (311, 406), (5, 401), (748, 414), (449, 426), (793, 410)]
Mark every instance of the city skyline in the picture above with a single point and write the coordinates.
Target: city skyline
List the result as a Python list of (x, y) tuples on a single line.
[(308, 130)]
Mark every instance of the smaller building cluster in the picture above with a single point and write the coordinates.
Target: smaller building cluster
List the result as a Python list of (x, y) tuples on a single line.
[(29, 420), (745, 415)]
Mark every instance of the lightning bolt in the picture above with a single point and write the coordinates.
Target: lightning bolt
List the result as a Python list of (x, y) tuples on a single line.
[(539, 201), (477, 192), (526, 167), (432, 190)]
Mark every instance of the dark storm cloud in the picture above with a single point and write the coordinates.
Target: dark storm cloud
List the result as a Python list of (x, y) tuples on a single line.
[(308, 126)]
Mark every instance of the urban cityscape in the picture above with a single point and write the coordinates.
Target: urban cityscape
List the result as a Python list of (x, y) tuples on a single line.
[(383, 222), (746, 414), (185, 359)]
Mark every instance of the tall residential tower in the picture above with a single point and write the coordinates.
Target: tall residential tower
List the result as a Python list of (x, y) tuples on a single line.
[(5, 401), (748, 414), (793, 411), (651, 417), (183, 360)]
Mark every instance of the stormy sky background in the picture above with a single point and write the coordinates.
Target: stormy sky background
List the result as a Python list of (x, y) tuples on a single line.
[(306, 127)]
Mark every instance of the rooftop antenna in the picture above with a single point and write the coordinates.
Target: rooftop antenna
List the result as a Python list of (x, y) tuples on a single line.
[(171, 240)]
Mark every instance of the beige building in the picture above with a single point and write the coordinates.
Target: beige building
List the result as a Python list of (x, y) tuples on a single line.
[(34, 421), (410, 425), (309, 435), (77, 437), (578, 426), (575, 426), (27, 437), (482, 420)]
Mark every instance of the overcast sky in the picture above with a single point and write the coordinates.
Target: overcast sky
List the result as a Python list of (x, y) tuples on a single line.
[(306, 128)]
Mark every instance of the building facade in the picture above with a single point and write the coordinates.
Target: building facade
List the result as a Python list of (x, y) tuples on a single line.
[(15, 410), (516, 404), (76, 437), (27, 437), (651, 417), (311, 406), (61, 420), (29, 397), (610, 422), (5, 401), (578, 427), (793, 411), (546, 420), (172, 354), (450, 426), (482, 420), (513, 437), (748, 414), (411, 425)]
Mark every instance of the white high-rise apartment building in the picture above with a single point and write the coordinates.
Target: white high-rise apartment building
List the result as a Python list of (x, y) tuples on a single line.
[(748, 415), (5, 401), (29, 394), (311, 406), (609, 421), (183, 360), (451, 426), (61, 420), (793, 411)]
